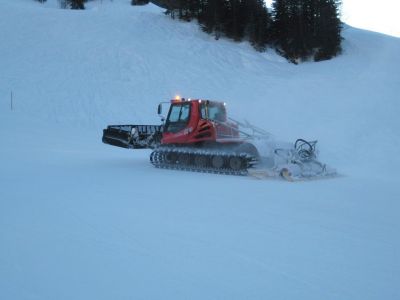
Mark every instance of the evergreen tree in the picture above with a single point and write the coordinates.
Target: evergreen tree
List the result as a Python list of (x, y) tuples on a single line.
[(290, 29), (258, 24), (76, 4), (213, 17), (236, 19), (280, 25), (306, 28), (328, 31), (139, 2)]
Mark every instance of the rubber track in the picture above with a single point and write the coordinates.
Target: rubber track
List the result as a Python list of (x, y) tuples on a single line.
[(157, 158)]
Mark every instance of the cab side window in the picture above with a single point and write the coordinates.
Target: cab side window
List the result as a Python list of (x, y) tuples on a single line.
[(215, 112)]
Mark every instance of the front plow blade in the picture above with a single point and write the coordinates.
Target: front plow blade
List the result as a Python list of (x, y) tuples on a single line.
[(133, 136)]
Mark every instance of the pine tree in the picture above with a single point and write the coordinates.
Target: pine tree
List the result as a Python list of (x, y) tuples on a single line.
[(302, 28), (328, 34), (139, 2), (258, 24), (174, 7), (236, 19), (280, 25), (76, 4), (213, 17), (299, 43)]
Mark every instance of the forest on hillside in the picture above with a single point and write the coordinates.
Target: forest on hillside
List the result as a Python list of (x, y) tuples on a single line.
[(299, 30)]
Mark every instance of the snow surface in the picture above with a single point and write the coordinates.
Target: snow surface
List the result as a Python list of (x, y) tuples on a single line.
[(84, 220)]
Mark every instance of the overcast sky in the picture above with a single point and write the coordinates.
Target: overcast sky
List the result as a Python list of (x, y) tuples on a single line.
[(380, 16)]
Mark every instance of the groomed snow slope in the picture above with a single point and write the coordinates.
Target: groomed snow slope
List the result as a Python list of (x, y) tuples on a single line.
[(83, 220)]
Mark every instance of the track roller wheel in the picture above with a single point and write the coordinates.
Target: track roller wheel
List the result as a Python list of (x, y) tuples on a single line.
[(235, 163), (200, 161), (217, 161), (171, 157), (184, 159)]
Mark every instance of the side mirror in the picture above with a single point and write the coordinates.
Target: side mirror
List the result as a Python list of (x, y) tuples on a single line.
[(159, 112)]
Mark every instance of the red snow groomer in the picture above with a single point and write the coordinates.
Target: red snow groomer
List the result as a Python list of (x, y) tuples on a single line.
[(197, 135)]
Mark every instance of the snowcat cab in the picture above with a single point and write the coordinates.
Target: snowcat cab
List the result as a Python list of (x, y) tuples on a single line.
[(197, 121)]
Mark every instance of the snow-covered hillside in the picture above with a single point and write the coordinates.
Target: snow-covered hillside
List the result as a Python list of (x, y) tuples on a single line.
[(80, 219)]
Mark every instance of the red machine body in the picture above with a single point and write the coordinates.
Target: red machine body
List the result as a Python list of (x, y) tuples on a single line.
[(196, 134)]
